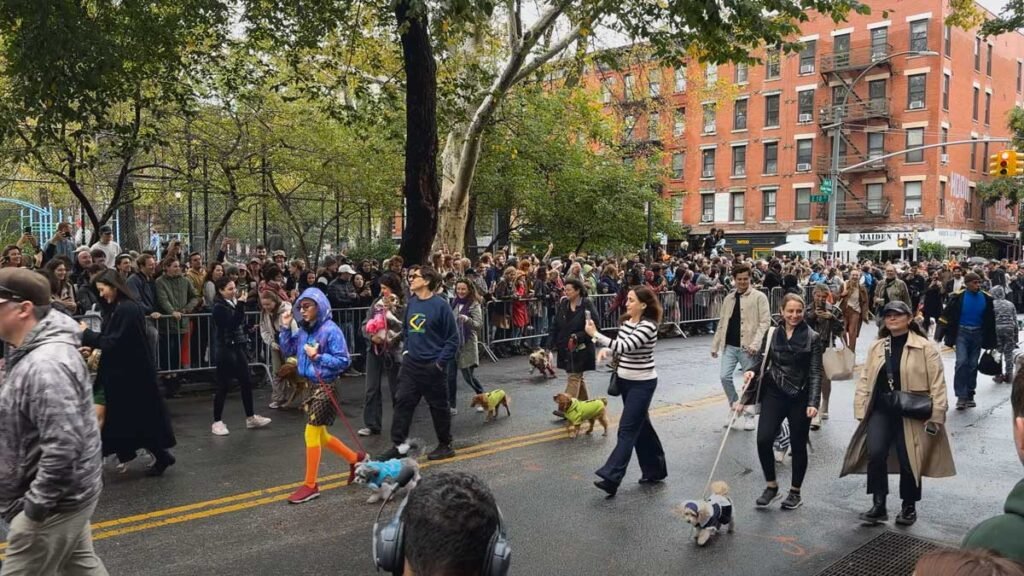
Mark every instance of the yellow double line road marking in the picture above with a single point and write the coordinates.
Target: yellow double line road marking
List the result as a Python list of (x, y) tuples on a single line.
[(245, 500)]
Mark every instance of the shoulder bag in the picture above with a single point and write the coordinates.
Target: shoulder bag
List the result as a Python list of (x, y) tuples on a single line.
[(613, 380), (906, 404), (764, 368)]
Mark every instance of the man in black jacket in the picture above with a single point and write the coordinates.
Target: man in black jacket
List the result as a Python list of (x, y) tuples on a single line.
[(970, 323)]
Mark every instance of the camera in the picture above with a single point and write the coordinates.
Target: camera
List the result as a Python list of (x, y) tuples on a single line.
[(27, 230)]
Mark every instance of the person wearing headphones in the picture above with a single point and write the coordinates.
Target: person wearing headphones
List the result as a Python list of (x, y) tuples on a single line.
[(448, 524)]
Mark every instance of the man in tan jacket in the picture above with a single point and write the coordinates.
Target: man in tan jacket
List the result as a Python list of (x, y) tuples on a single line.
[(740, 331)]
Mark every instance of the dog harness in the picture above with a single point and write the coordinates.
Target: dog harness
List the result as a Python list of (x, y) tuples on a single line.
[(494, 398), (721, 511), (383, 472), (580, 410)]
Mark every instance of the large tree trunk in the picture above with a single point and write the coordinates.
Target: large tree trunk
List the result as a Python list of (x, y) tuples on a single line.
[(453, 208), (421, 185)]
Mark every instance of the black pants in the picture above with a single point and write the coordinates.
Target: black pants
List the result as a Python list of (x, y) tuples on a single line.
[(636, 433), (232, 363), (776, 407), (421, 380), (885, 433)]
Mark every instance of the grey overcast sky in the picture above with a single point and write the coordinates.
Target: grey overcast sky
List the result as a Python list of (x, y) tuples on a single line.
[(993, 5)]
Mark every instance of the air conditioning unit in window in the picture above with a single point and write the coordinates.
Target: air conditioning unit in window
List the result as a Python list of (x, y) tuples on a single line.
[(707, 174), (803, 167), (917, 104), (912, 212), (739, 171), (944, 158), (806, 68), (707, 218), (709, 129), (805, 118)]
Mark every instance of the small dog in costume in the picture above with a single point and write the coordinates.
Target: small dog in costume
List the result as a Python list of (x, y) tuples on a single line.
[(578, 411), (709, 517), (490, 402), (289, 373), (539, 360), (383, 316), (381, 477)]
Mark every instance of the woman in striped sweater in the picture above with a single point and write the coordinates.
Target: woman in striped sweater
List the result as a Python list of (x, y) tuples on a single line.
[(634, 347)]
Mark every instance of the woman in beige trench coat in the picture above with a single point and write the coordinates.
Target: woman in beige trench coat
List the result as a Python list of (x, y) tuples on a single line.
[(887, 443)]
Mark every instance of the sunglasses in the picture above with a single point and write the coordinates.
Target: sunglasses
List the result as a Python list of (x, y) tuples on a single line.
[(414, 276)]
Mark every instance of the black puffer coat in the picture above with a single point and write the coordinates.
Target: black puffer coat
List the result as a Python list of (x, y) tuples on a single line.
[(570, 323), (794, 366)]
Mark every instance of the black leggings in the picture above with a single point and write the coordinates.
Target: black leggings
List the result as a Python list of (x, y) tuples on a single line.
[(232, 363), (885, 434), (776, 407)]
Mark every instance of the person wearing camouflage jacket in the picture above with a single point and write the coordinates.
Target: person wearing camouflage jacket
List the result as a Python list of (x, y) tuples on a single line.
[(1007, 331)]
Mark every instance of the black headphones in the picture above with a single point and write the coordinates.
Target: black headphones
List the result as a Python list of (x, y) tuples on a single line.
[(389, 545)]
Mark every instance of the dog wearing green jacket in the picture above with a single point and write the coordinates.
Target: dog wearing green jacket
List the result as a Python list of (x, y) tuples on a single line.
[(490, 402), (579, 411)]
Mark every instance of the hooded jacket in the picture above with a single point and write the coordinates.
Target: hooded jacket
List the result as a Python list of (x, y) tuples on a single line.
[(1002, 534), (50, 458), (333, 358), (1006, 313), (583, 410)]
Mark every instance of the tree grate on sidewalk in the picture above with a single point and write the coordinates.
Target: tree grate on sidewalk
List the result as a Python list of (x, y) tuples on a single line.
[(888, 554)]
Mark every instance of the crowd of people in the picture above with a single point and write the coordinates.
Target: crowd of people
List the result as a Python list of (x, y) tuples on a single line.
[(420, 327)]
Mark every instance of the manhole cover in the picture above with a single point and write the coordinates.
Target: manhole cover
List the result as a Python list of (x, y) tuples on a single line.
[(888, 554)]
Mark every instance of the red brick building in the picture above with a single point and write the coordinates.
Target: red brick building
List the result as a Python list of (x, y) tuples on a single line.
[(748, 146)]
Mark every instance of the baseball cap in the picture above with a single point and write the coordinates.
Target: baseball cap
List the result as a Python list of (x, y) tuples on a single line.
[(21, 285), (898, 306), (346, 269), (106, 229)]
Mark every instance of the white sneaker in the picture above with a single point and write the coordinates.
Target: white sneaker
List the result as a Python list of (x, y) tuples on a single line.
[(364, 432), (479, 408), (121, 467), (274, 405), (454, 411), (780, 456), (256, 421), (824, 415), (748, 422), (219, 428), (816, 422)]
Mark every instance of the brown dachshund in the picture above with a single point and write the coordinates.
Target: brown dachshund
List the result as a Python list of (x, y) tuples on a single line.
[(578, 411)]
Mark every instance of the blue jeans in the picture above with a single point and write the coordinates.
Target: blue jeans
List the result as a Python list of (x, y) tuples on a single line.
[(968, 350), (636, 433), (453, 381), (733, 357)]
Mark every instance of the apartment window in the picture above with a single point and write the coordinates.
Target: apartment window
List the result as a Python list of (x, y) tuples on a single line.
[(768, 198), (707, 163), (838, 93), (915, 137), (807, 57), (707, 207), (629, 123), (773, 64), (876, 89), (984, 151), (709, 118), (653, 126), (804, 150), (606, 91), (680, 78), (771, 158), (974, 152), (739, 115), (630, 84), (678, 160), (805, 106), (915, 91), (912, 197), (711, 73), (874, 195), (739, 160), (942, 198), (974, 104), (919, 35), (945, 91), (879, 43), (679, 122), (654, 87), (742, 73), (988, 60), (771, 111), (803, 203), (736, 207), (977, 53), (1020, 73), (677, 208), (947, 38), (969, 204), (841, 48), (876, 144), (944, 135), (988, 108)]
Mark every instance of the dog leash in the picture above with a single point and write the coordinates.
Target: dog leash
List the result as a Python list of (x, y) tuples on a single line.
[(337, 408), (721, 448)]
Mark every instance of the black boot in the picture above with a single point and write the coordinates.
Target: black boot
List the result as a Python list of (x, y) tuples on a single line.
[(907, 515), (877, 514)]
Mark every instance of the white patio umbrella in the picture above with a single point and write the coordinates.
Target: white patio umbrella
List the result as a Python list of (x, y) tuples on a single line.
[(847, 246), (798, 246), (889, 244)]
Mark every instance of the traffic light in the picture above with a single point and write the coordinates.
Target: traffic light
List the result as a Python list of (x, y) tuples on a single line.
[(901, 242), (1006, 164), (816, 235)]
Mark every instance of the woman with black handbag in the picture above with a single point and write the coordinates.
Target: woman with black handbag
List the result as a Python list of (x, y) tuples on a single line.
[(900, 402)]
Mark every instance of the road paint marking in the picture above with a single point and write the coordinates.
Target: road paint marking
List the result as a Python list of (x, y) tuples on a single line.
[(252, 499)]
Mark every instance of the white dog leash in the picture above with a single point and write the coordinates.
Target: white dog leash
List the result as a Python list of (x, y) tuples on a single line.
[(721, 448)]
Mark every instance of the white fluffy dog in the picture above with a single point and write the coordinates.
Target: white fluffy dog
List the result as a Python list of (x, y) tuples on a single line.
[(710, 516)]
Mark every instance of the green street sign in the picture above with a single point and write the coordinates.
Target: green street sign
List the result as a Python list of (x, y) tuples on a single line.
[(826, 187), (822, 198)]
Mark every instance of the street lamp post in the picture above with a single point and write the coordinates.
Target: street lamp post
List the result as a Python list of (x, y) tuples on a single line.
[(837, 126)]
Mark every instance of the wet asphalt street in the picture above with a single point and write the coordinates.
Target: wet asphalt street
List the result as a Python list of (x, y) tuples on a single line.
[(221, 509)]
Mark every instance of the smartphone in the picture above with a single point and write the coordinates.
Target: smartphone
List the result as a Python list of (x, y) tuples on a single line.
[(586, 313), (27, 230)]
